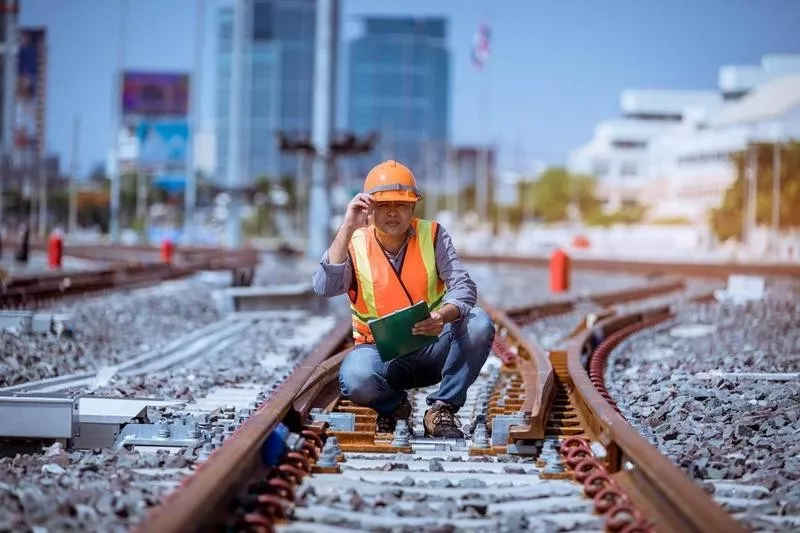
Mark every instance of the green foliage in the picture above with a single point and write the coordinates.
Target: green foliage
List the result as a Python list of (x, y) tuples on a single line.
[(626, 215), (727, 221), (551, 196), (671, 221), (263, 222), (289, 184), (554, 191)]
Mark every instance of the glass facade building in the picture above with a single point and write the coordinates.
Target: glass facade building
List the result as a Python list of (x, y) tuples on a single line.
[(279, 73), (398, 85)]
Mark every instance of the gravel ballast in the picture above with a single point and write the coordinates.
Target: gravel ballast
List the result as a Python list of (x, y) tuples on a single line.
[(692, 387), (106, 490), (101, 490), (107, 330)]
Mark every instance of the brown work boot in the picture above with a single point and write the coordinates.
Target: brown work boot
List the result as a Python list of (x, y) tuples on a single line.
[(440, 421), (387, 423)]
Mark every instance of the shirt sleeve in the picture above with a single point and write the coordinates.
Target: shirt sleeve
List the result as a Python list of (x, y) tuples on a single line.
[(461, 289), (332, 279)]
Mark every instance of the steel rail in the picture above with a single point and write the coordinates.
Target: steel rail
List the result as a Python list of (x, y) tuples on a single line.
[(203, 497), (669, 499), (50, 286), (680, 268), (202, 500), (565, 304), (536, 371)]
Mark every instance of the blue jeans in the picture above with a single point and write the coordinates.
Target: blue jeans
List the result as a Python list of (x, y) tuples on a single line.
[(455, 359)]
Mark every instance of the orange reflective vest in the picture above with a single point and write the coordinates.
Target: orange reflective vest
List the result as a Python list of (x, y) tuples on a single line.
[(379, 289)]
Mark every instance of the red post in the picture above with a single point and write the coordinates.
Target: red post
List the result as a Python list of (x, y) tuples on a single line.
[(55, 251), (559, 271), (167, 249)]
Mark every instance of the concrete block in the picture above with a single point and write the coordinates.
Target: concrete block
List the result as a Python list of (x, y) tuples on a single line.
[(270, 297)]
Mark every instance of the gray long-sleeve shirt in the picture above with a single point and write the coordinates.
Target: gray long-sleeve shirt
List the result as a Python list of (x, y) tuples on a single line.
[(333, 279)]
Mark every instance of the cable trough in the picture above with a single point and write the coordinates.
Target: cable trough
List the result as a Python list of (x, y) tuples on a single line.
[(217, 336), (545, 448)]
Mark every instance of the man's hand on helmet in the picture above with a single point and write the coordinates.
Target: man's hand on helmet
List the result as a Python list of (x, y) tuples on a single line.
[(357, 214)]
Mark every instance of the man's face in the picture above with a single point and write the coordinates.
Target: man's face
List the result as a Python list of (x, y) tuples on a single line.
[(393, 218)]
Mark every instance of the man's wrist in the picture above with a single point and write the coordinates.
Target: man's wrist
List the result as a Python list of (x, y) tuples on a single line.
[(449, 312), (348, 228)]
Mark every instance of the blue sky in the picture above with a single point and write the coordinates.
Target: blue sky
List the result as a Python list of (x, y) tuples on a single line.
[(557, 67)]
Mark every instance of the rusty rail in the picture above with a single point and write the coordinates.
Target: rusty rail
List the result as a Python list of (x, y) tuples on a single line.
[(710, 270), (536, 371), (566, 304), (650, 485), (202, 498), (49, 286), (533, 360)]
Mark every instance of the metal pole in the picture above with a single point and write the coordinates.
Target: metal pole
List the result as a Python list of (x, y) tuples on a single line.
[(116, 112), (750, 211), (9, 93), (776, 189), (28, 187), (195, 103), (430, 183), (72, 223), (141, 197), (42, 182), (482, 174), (235, 123), (300, 195), (323, 115), (452, 170)]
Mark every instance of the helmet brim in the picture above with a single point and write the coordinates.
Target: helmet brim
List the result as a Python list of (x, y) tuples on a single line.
[(395, 196)]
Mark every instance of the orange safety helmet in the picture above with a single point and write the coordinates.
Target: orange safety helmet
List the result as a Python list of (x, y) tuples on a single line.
[(391, 181)]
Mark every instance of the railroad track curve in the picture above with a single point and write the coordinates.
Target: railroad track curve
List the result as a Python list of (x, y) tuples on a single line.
[(546, 447)]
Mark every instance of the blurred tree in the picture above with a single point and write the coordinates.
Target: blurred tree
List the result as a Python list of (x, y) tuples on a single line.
[(289, 184), (670, 221), (728, 219), (93, 209), (556, 189), (627, 214), (263, 221)]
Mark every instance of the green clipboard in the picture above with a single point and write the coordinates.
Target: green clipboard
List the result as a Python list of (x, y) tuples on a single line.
[(392, 332)]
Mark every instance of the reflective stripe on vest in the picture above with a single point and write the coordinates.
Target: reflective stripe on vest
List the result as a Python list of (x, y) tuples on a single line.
[(381, 290)]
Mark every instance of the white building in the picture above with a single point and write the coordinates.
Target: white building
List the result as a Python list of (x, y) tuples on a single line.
[(205, 150), (691, 163), (618, 155), (672, 149)]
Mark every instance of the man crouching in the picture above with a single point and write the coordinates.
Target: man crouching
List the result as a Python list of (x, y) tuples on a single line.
[(391, 263)]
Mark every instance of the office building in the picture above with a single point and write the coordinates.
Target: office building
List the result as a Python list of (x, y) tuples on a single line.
[(692, 163), (278, 82), (672, 150), (399, 85), (618, 154)]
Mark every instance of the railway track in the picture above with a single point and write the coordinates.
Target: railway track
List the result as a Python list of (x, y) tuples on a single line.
[(675, 268), (546, 448), (124, 268)]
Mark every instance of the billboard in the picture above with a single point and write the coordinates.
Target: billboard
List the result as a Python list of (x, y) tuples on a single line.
[(155, 94), (171, 182), (29, 96), (162, 142)]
